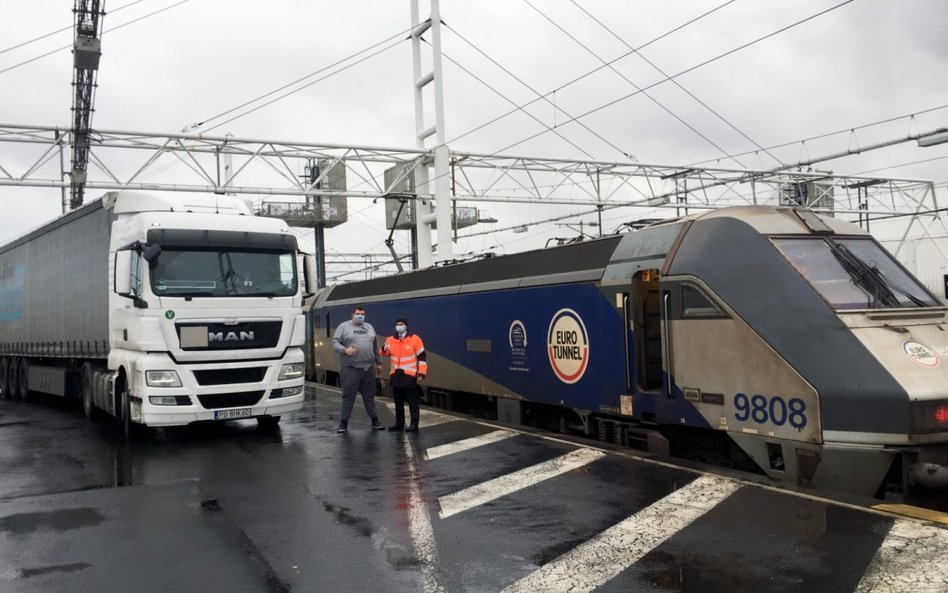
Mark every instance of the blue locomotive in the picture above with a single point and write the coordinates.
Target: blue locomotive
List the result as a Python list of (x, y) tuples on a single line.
[(765, 338)]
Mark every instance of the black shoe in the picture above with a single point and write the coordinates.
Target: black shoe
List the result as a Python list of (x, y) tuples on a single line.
[(343, 427), (376, 425), (412, 428), (395, 428)]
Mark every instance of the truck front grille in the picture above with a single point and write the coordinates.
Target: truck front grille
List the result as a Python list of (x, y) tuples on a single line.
[(227, 376), (219, 336), (230, 400)]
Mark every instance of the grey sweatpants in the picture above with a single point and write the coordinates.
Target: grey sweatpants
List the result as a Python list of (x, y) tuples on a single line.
[(361, 380)]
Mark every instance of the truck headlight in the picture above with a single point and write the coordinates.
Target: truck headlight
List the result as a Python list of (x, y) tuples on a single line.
[(286, 392), (162, 379), (169, 400), (291, 371)]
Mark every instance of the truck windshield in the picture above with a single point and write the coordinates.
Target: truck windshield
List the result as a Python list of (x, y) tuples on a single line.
[(218, 273), (854, 273)]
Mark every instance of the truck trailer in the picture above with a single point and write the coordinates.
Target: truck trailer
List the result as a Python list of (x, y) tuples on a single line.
[(160, 310)]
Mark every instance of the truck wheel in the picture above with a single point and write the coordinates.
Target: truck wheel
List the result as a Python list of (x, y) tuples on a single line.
[(130, 430), (4, 383), (13, 375), (88, 408), (23, 379), (268, 422)]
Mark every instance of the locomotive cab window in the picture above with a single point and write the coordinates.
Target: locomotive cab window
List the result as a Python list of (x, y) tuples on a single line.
[(694, 303), (854, 273)]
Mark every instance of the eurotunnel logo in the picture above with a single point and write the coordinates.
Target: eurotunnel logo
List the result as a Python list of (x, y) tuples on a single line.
[(921, 354), (517, 337), (568, 346)]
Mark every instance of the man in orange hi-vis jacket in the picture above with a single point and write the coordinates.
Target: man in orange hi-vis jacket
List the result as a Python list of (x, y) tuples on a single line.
[(409, 365)]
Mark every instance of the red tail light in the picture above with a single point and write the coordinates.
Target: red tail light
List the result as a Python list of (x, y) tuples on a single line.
[(941, 415)]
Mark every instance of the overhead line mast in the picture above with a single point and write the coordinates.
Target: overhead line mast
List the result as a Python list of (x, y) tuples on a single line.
[(87, 48)]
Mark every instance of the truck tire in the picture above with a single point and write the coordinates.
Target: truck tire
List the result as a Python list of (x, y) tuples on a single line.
[(23, 379), (13, 374), (130, 430), (268, 422), (88, 407), (4, 382), (125, 419)]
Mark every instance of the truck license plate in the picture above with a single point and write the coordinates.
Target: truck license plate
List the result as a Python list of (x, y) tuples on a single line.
[(228, 414)]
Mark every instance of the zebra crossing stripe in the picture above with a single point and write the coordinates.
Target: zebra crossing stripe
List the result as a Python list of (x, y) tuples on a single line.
[(428, 418), (911, 559), (468, 498), (466, 444), (419, 525), (600, 559)]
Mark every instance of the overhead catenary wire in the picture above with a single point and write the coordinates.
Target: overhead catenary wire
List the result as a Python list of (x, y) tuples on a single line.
[(512, 102), (299, 80), (115, 28), (838, 132), (680, 86), (305, 86), (530, 88), (594, 70), (690, 69), (57, 31), (660, 104)]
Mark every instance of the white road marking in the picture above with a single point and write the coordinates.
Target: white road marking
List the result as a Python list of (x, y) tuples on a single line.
[(911, 559), (471, 443), (428, 418), (419, 525), (463, 500), (600, 559)]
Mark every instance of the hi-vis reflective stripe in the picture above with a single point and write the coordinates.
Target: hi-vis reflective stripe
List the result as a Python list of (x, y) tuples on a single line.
[(595, 562)]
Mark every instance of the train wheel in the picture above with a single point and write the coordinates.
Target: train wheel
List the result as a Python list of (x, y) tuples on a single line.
[(23, 379), (88, 407), (4, 383)]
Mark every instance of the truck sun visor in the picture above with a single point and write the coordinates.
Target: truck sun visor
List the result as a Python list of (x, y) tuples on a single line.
[(221, 239)]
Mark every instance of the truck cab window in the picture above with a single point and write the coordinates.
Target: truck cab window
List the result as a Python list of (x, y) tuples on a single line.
[(200, 272), (136, 275)]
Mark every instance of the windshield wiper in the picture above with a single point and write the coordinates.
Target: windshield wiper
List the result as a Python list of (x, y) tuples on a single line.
[(867, 277)]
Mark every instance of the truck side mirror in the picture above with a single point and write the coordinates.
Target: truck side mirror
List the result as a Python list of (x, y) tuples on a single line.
[(123, 273), (309, 275), (151, 251)]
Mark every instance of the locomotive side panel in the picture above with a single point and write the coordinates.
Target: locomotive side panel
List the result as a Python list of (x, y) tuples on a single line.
[(732, 376), (561, 345)]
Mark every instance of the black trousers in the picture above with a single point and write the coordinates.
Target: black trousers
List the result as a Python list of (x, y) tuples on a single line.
[(406, 394)]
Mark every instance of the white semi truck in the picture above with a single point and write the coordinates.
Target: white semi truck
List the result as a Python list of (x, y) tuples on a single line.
[(159, 310)]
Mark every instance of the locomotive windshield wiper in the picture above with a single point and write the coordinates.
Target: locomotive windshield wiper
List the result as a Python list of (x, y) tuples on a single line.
[(867, 277)]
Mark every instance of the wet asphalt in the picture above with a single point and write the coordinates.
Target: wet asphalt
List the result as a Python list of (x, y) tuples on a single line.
[(230, 507)]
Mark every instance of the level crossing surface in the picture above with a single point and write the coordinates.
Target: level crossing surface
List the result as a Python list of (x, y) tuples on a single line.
[(461, 506)]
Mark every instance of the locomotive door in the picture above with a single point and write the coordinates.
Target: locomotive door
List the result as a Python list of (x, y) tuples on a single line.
[(646, 319)]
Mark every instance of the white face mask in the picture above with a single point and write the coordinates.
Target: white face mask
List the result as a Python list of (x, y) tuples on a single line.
[(358, 317), (401, 329)]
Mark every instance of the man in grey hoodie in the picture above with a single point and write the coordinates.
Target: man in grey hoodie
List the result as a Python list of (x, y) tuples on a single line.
[(355, 341)]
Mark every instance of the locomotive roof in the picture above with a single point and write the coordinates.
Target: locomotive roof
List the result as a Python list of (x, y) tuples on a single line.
[(568, 262), (585, 261)]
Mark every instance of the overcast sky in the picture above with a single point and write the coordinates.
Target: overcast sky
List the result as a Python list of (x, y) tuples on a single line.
[(867, 61)]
